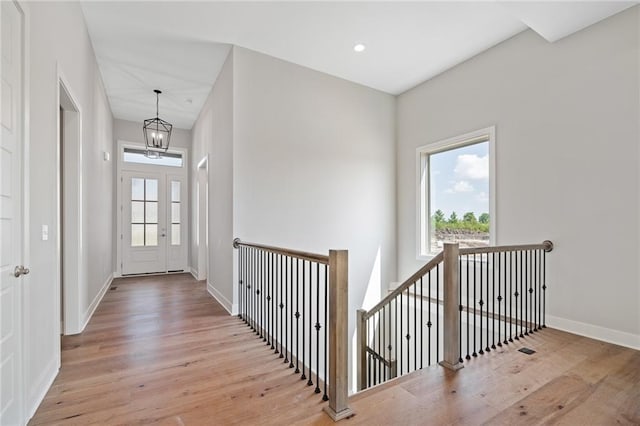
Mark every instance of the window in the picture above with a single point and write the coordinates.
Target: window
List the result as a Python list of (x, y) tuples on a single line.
[(175, 213), (144, 212), (134, 155), (456, 191)]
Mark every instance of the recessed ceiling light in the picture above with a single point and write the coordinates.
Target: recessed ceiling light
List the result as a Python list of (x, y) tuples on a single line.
[(359, 47)]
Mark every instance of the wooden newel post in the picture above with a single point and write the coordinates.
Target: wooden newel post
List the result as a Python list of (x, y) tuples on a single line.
[(338, 335), (362, 348), (451, 318)]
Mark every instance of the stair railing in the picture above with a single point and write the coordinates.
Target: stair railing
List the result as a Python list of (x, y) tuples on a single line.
[(461, 304), (297, 303)]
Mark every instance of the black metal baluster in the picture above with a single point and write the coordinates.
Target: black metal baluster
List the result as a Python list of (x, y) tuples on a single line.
[(525, 295), (408, 336), (475, 316), (493, 301), (521, 296), (500, 317), (318, 326), (281, 305), (539, 284), (421, 323), (468, 357), (415, 329), (429, 323), (384, 343), (480, 303), (460, 339), (290, 315), (487, 301), (395, 329), (287, 309), (310, 381), (400, 337), (304, 316), (519, 286), (240, 270), (252, 271), (511, 296), (437, 313), (297, 315), (260, 294), (390, 345), (325, 397), (530, 291), (534, 255), (252, 293), (544, 289), (269, 305)]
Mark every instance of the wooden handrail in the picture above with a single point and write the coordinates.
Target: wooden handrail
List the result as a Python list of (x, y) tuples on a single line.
[(406, 284), (312, 257), (545, 245)]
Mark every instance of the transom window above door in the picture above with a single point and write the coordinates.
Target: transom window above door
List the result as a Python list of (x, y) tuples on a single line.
[(138, 156)]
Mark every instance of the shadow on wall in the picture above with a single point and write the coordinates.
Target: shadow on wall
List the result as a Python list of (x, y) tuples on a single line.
[(372, 295)]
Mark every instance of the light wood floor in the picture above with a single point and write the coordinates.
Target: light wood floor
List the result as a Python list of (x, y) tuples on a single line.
[(160, 350)]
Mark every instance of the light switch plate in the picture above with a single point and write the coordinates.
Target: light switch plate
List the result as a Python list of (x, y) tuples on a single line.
[(45, 232)]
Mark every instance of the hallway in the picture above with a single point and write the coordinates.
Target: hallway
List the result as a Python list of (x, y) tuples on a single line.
[(159, 349)]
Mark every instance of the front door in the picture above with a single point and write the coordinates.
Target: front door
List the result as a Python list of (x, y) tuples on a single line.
[(11, 214), (153, 216)]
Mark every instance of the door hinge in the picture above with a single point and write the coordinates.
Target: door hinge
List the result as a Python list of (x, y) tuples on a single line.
[(120, 236), (121, 179)]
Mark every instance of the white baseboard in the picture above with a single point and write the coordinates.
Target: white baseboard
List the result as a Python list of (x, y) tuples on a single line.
[(194, 273), (230, 307), (609, 335), (96, 301), (42, 386)]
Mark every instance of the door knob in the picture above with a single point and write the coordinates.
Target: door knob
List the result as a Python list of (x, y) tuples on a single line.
[(20, 270)]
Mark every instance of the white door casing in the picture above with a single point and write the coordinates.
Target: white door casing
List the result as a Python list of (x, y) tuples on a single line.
[(11, 214), (168, 252)]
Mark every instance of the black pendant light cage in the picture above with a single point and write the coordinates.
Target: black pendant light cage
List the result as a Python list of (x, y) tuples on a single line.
[(157, 133)]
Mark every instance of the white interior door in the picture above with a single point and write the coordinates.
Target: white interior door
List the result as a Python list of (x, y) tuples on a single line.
[(144, 223), (11, 226)]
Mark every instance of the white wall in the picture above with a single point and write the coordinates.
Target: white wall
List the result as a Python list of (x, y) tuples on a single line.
[(58, 37), (566, 117), (213, 138), (314, 168)]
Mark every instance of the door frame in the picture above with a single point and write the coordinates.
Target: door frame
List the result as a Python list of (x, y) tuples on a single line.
[(69, 258), (120, 167), (202, 218)]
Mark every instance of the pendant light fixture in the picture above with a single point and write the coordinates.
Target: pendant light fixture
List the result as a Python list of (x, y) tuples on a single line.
[(157, 133)]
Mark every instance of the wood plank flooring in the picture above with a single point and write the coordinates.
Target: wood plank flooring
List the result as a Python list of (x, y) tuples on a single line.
[(160, 350)]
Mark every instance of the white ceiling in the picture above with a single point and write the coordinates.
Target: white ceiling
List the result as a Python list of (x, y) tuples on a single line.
[(179, 47)]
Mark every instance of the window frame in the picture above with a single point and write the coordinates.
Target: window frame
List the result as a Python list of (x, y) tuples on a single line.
[(423, 193)]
